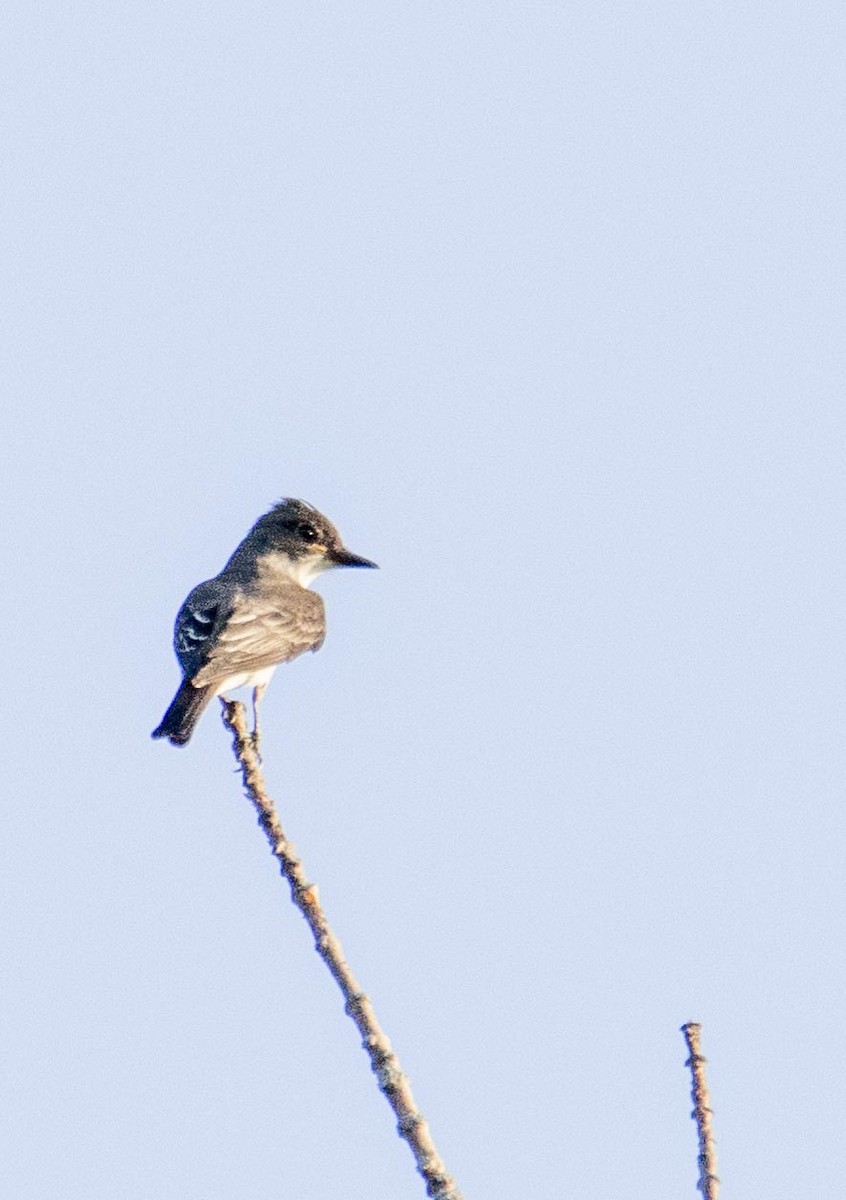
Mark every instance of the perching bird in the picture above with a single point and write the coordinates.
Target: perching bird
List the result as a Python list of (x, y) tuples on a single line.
[(235, 629)]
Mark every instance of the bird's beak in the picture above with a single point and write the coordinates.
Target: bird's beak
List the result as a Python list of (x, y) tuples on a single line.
[(341, 557)]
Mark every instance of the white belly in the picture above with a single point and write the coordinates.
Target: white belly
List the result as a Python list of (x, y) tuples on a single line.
[(259, 678)]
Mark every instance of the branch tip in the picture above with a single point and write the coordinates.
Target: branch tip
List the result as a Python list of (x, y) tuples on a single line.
[(709, 1182)]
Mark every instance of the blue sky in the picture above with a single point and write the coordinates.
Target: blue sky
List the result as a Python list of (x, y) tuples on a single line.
[(543, 306)]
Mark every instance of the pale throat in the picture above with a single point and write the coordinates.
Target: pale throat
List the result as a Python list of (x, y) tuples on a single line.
[(301, 570)]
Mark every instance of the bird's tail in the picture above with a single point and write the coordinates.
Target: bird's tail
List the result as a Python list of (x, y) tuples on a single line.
[(187, 705)]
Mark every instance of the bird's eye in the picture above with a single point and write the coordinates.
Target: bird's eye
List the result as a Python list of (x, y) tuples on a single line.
[(307, 532)]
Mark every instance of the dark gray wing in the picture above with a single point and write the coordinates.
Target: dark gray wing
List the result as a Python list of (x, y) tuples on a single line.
[(261, 631), (199, 621)]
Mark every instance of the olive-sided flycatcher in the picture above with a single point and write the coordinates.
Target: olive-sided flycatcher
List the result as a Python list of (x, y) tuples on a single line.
[(235, 629)]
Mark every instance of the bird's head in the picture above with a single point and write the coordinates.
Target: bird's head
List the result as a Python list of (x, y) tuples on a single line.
[(310, 541)]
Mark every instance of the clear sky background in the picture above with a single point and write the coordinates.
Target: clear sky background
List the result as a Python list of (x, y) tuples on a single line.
[(543, 305)]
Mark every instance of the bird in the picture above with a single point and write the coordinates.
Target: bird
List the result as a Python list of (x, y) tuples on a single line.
[(235, 629)]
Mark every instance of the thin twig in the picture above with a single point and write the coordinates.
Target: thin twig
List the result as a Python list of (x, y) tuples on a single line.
[(709, 1184), (386, 1066)]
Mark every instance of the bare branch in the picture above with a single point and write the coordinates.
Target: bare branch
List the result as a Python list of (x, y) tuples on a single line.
[(709, 1184), (385, 1065)]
